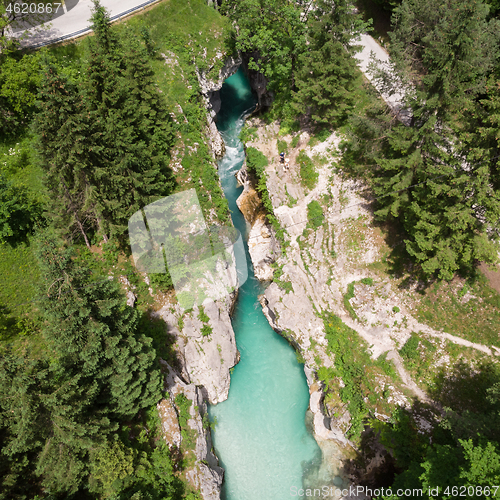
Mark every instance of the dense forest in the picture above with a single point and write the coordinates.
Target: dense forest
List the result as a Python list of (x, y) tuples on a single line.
[(87, 137)]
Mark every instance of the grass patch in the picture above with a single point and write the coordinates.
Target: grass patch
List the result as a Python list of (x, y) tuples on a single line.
[(202, 315), (308, 173), (477, 320), (19, 277), (282, 146)]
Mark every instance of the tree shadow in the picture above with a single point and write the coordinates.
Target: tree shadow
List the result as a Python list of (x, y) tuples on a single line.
[(163, 337), (9, 328)]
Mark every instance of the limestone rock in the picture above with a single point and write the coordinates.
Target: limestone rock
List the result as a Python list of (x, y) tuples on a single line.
[(131, 298), (263, 249), (169, 423), (205, 474), (262, 244), (208, 359)]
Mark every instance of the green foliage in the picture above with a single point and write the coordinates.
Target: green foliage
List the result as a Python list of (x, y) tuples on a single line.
[(19, 83), (161, 281), (448, 56), (315, 217), (202, 315), (18, 212), (206, 330), (476, 320), (256, 164), (409, 351), (117, 109), (284, 284), (248, 133), (295, 141), (273, 34), (347, 297), (308, 173), (326, 74), (110, 464), (282, 146), (350, 367)]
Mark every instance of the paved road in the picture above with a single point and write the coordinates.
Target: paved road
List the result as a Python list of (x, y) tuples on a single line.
[(75, 20)]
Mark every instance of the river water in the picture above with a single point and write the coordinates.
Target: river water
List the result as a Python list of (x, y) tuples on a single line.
[(260, 437)]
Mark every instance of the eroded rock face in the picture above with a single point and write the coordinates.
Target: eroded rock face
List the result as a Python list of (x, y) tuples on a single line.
[(205, 475), (262, 243), (207, 359)]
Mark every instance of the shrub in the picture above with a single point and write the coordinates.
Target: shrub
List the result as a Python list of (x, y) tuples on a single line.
[(315, 215), (202, 315), (409, 350), (282, 146), (206, 330)]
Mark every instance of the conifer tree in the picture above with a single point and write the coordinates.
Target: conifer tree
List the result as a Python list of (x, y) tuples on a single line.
[(128, 164), (326, 74), (102, 370), (426, 175), (63, 127)]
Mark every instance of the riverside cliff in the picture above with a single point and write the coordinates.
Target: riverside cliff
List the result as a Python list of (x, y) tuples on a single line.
[(202, 338)]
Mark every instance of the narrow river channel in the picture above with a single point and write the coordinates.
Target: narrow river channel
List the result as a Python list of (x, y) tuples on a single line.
[(260, 437)]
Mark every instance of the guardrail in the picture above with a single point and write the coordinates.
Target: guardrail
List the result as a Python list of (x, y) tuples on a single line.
[(83, 31)]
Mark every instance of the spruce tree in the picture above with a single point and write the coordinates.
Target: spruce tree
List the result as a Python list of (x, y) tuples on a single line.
[(102, 369), (327, 73), (426, 175), (128, 164), (63, 127)]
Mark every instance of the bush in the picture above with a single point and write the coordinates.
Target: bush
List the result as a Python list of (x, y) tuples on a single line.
[(202, 315), (256, 162), (409, 351), (315, 215), (18, 212)]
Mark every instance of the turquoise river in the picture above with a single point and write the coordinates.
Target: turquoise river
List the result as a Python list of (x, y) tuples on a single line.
[(261, 437)]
